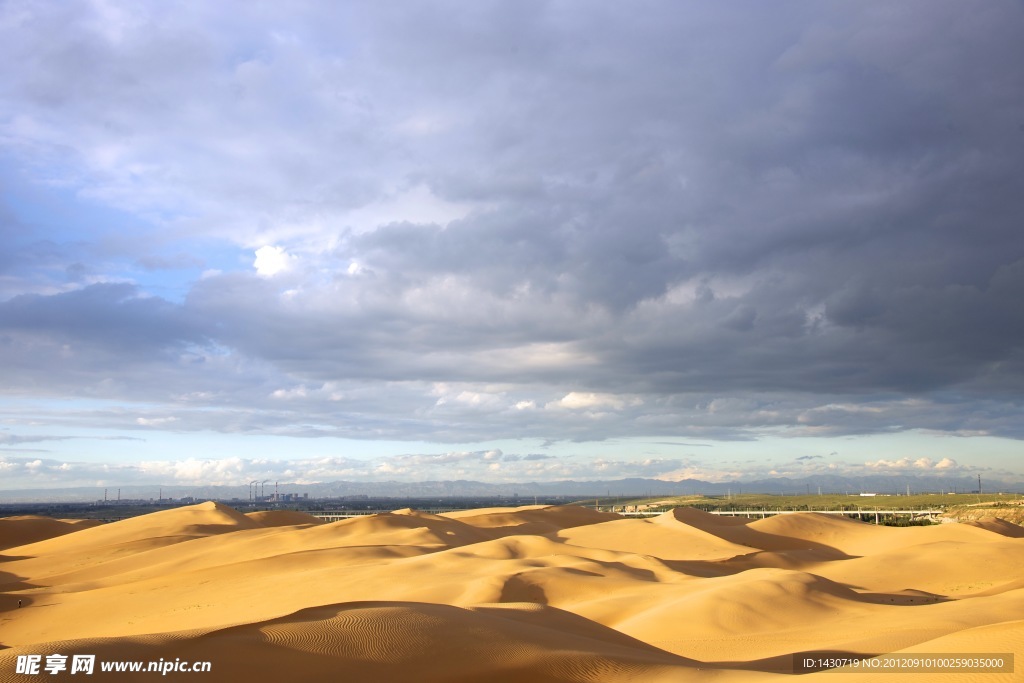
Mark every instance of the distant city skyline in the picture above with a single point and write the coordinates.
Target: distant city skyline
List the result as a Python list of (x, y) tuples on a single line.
[(551, 492), (510, 241)]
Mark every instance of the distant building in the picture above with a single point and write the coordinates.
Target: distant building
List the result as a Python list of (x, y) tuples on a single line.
[(287, 497)]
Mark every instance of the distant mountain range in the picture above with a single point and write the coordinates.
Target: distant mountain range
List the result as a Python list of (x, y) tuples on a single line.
[(572, 489)]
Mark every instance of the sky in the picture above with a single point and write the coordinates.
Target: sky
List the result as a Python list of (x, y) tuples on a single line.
[(510, 241)]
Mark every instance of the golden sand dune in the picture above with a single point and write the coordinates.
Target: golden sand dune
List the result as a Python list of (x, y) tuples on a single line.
[(1000, 638), (818, 533), (1000, 526), (409, 527), (667, 540), (532, 519), (15, 531), (283, 518), (840, 533), (84, 553), (951, 568), (536, 593), (397, 641), (159, 528)]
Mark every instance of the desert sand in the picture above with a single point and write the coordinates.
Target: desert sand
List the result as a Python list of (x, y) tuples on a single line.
[(511, 594)]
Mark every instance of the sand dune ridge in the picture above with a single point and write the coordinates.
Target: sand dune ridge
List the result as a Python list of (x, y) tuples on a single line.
[(535, 593)]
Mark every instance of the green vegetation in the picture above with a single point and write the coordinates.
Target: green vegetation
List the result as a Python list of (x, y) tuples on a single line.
[(866, 508)]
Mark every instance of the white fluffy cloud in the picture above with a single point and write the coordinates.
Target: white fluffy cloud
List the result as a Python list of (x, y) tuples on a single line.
[(272, 260), (575, 400), (912, 464)]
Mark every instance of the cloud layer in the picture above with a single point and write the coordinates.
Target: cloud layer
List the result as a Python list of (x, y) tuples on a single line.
[(555, 220), (495, 466)]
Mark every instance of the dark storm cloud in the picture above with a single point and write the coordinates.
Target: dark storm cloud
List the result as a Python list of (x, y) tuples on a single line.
[(712, 220), (112, 313)]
